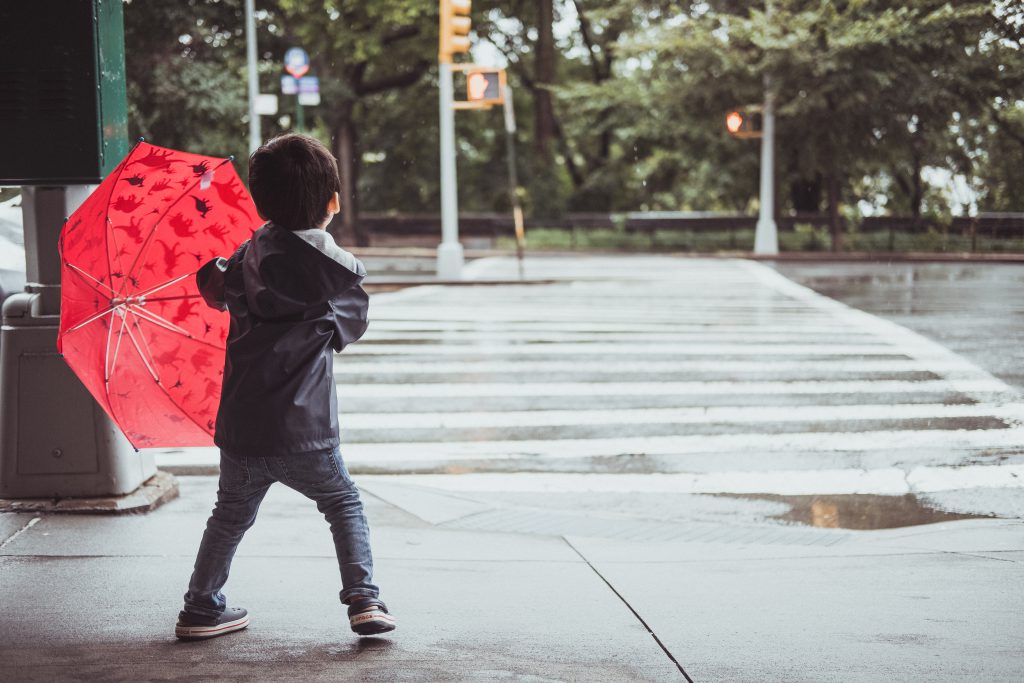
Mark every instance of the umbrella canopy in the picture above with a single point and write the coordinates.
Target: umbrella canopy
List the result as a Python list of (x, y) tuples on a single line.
[(133, 326)]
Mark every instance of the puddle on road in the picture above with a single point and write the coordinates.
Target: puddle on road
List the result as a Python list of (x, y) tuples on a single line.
[(856, 511)]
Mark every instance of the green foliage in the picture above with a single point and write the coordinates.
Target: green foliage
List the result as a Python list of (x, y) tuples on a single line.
[(868, 92)]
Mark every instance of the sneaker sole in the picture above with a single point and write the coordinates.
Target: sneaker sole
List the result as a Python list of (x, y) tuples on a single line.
[(372, 623), (201, 632)]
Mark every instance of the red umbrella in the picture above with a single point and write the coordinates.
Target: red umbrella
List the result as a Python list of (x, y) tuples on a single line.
[(133, 326)]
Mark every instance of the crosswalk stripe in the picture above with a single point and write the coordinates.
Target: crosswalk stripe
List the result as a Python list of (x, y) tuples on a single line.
[(521, 337), (443, 390), (719, 414), (571, 449), (572, 349), (385, 365), (880, 481)]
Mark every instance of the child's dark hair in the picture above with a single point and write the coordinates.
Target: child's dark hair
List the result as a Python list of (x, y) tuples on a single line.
[(291, 178)]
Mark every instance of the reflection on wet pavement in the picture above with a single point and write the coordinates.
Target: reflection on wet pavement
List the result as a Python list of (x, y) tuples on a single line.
[(857, 511), (975, 309)]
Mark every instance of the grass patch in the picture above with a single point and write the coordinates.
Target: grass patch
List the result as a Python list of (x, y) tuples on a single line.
[(803, 238)]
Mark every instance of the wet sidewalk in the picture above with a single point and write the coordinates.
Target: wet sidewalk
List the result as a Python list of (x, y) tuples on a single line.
[(95, 597)]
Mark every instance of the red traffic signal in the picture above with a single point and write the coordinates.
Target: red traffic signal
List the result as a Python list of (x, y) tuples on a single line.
[(744, 122)]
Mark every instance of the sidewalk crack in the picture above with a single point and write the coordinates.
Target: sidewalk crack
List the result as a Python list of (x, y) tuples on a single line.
[(636, 614)]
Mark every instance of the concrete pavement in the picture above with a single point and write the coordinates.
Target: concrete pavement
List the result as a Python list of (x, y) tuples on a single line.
[(587, 480), (91, 598)]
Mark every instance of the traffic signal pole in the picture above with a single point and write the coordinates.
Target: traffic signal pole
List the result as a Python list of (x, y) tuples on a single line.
[(513, 178), (254, 86), (449, 253), (766, 238), (453, 38)]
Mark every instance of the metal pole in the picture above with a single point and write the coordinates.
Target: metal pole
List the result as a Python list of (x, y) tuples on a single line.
[(766, 239), (254, 81), (449, 252), (300, 119), (513, 179)]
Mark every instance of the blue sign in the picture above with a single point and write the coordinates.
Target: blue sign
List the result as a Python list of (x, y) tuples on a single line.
[(309, 84), (296, 62), (289, 85)]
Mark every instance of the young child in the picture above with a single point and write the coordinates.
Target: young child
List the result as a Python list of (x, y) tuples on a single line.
[(294, 299)]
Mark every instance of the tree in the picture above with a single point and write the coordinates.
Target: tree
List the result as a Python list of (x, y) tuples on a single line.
[(360, 50)]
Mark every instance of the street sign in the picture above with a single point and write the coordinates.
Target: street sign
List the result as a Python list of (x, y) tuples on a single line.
[(309, 99), (265, 105), (296, 62), (289, 85), (309, 84)]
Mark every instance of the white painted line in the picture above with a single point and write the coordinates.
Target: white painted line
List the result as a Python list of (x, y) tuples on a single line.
[(384, 365), (834, 415), (717, 388), (883, 481), (387, 324), (31, 523), (538, 451), (547, 337), (625, 349)]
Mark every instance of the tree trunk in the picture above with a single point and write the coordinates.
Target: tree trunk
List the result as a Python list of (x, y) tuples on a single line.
[(917, 191), (834, 223), (544, 130), (345, 229), (805, 194)]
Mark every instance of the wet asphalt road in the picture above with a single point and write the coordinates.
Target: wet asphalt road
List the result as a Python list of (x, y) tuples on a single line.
[(974, 309)]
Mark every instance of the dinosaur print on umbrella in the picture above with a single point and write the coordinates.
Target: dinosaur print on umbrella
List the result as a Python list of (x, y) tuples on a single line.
[(133, 325)]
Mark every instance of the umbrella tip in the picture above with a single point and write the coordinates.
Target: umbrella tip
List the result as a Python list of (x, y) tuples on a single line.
[(231, 157), (140, 139)]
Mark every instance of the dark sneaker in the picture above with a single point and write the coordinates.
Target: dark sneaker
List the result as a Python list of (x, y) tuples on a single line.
[(369, 616), (195, 627)]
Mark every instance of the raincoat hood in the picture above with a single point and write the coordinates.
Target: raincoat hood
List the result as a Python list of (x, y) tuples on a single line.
[(285, 274)]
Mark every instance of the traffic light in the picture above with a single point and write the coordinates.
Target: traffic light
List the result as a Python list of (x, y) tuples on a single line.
[(455, 25), (485, 86), (744, 122)]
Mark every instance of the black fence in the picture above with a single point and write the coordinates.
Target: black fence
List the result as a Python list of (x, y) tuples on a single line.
[(996, 225)]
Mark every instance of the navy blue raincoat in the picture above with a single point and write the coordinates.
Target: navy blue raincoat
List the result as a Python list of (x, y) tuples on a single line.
[(291, 308)]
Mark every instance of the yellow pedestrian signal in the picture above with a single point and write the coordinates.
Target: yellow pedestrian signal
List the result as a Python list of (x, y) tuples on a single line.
[(744, 122), (455, 26)]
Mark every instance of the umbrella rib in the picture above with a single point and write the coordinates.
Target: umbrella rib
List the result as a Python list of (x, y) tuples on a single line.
[(157, 288), (164, 388), (90, 319), (117, 252), (106, 352), (161, 321), (141, 335), (145, 246), (106, 212), (87, 277), (149, 367), (117, 348), (170, 327)]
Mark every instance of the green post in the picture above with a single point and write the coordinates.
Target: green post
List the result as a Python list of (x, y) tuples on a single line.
[(300, 119), (113, 114)]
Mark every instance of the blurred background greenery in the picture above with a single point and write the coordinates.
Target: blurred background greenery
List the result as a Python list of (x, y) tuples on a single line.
[(912, 109)]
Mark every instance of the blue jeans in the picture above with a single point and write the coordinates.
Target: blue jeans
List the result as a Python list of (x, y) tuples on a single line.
[(244, 481)]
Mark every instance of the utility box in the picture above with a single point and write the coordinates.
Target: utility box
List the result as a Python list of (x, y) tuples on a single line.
[(63, 110), (63, 128), (56, 440)]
